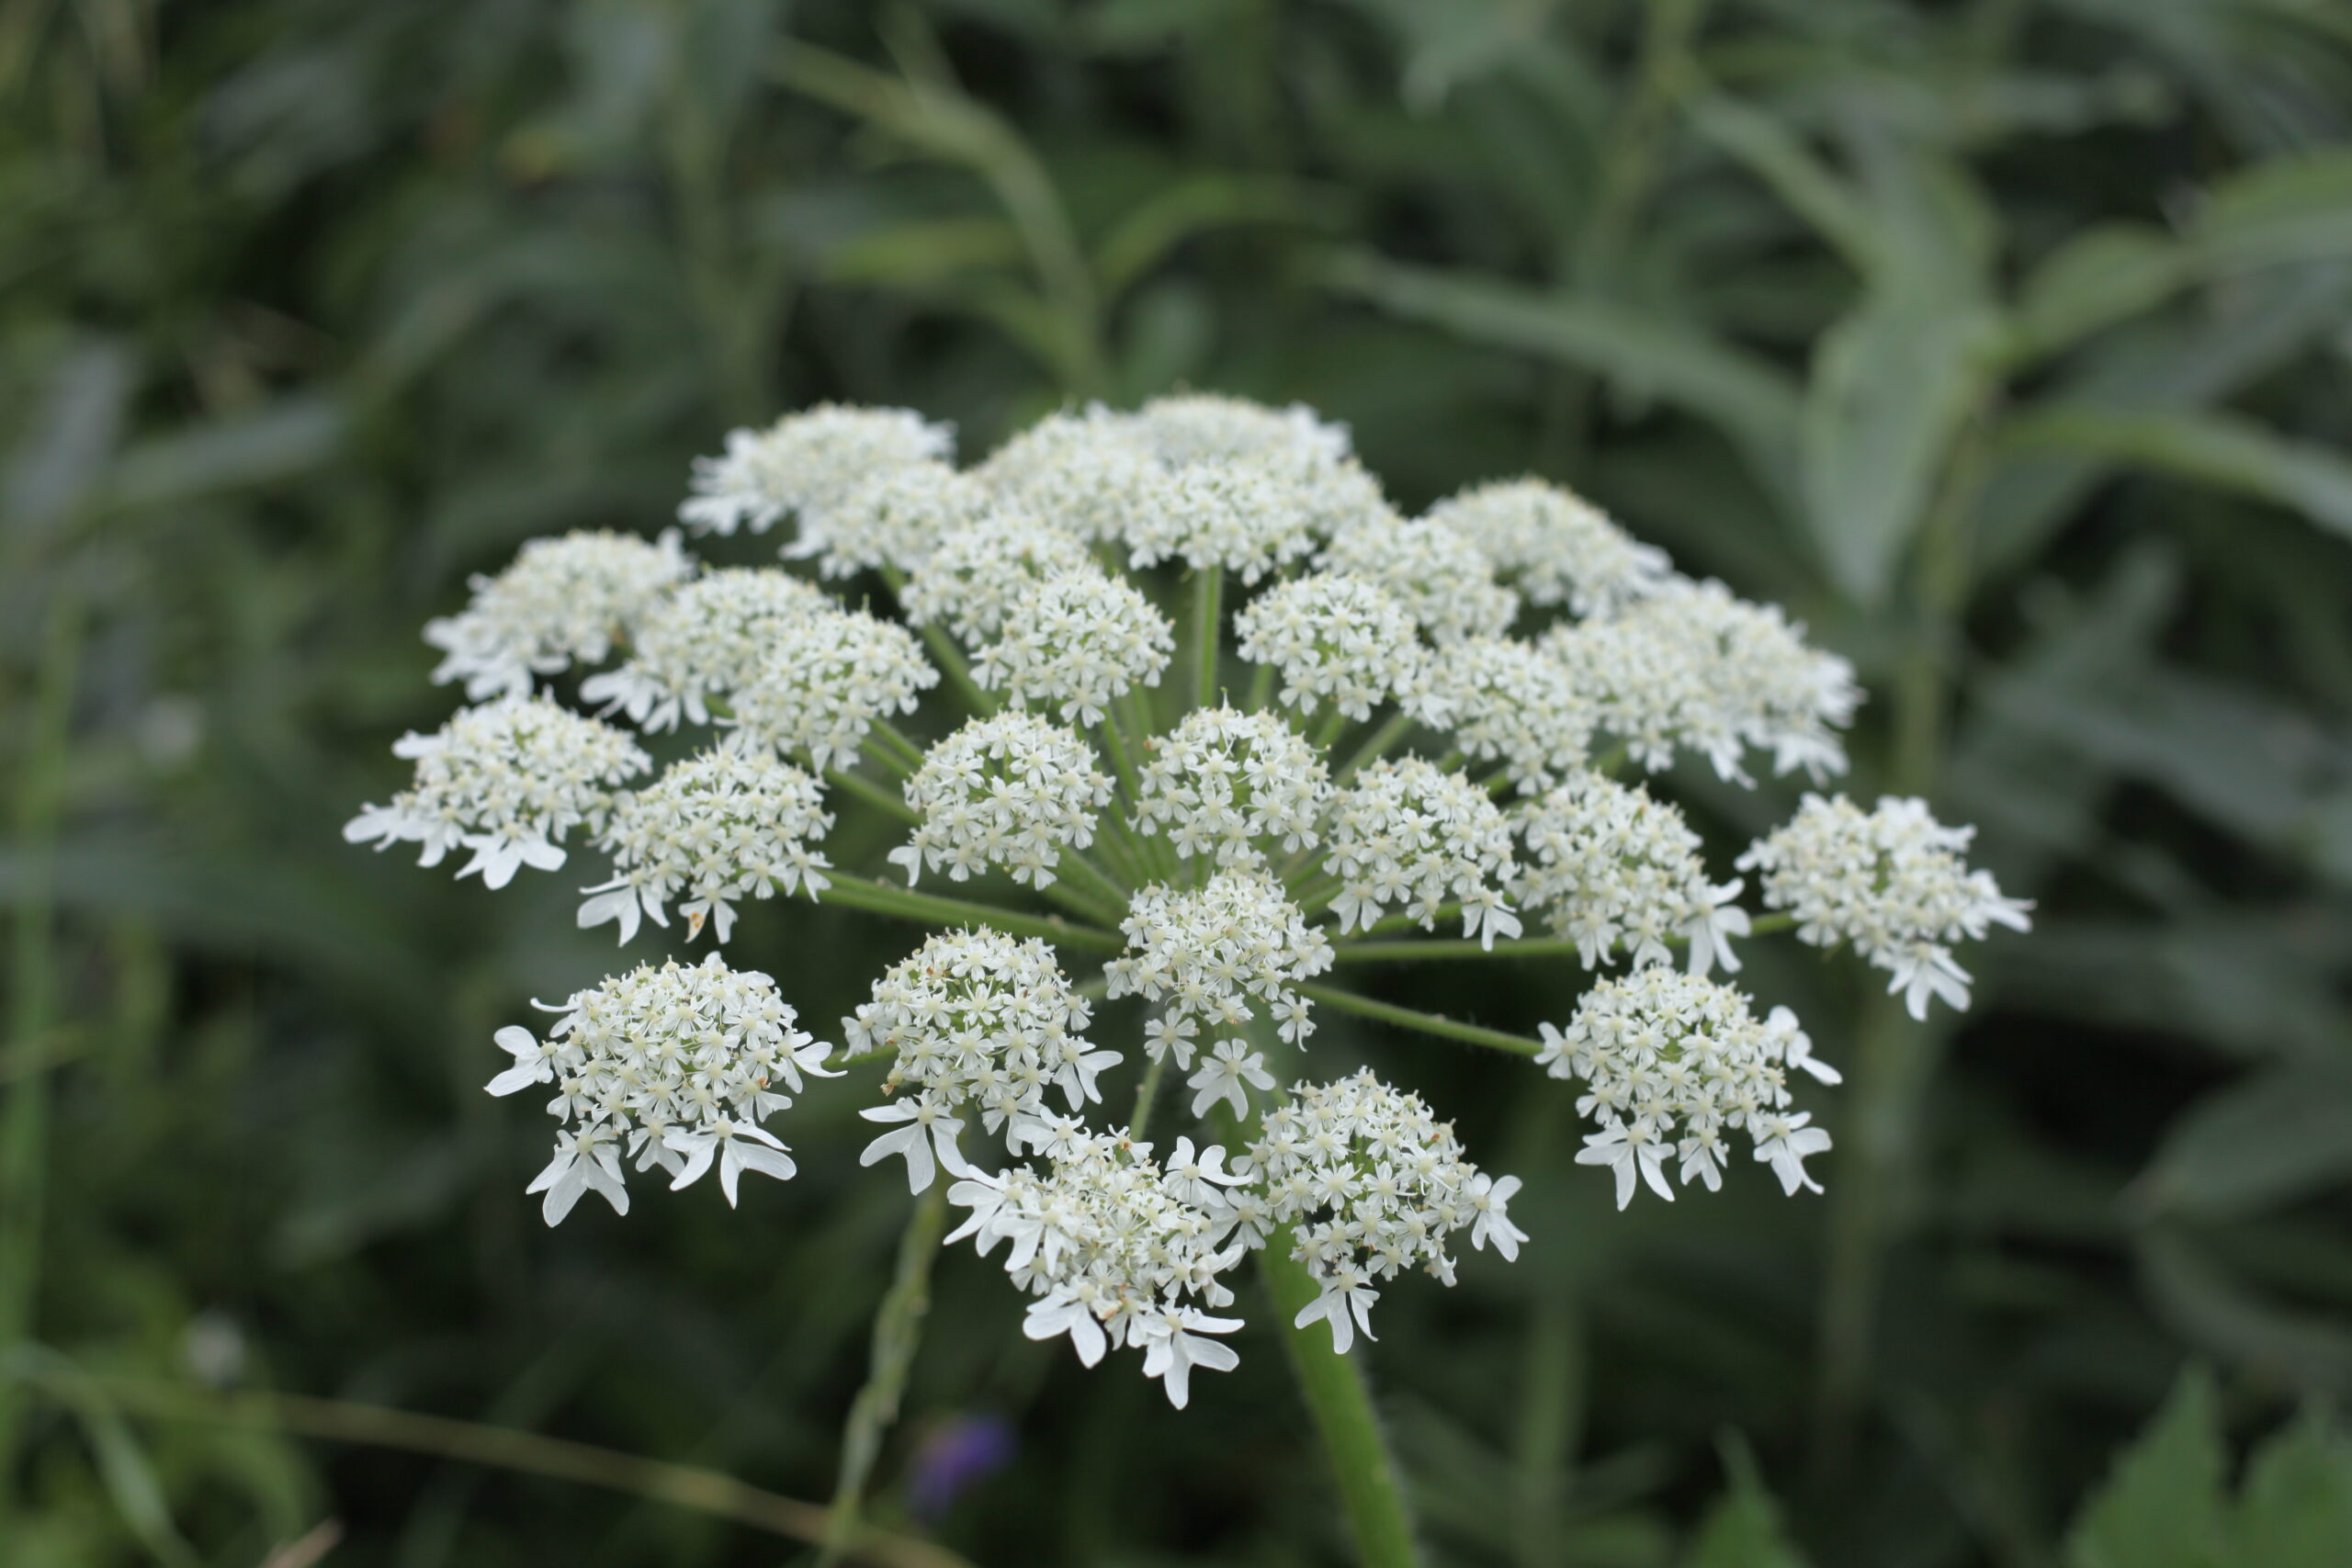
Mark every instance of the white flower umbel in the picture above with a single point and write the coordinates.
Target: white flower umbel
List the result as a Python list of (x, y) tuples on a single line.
[(677, 1066), (1556, 546), (804, 463), (703, 642), (1116, 1251), (564, 601), (508, 781), (1508, 701), (1891, 881), (979, 1023), (1693, 666), (1620, 874), (1407, 832), (1082, 474), (1203, 954), (1009, 791), (1340, 640), (717, 827), (1672, 1064), (1223, 515), (1195, 427), (894, 519), (1371, 1185), (1233, 785), (1443, 580), (824, 682), (979, 573), (1075, 645)]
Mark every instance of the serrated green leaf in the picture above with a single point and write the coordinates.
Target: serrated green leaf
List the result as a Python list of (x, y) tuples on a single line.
[(2295, 1509), (1743, 1528), (2162, 1505)]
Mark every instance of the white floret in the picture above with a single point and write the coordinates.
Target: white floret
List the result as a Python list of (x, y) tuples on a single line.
[(824, 682), (1334, 640), (715, 828), (1013, 791), (1558, 548), (1075, 645), (563, 602), (804, 463)]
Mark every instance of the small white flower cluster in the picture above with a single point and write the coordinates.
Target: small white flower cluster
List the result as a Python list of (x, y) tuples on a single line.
[(977, 1020), (1116, 1250), (1510, 702), (1202, 953), (825, 680), (1890, 881), (508, 781), (1556, 546), (718, 827), (1223, 781), (894, 519), (1670, 1062), (1196, 427), (1009, 791), (704, 641), (676, 1065), (1445, 584), (805, 463), (1409, 833), (1611, 869), (1334, 640), (563, 602), (1082, 473), (1694, 665), (1222, 515), (1077, 641), (978, 573), (1371, 1185)]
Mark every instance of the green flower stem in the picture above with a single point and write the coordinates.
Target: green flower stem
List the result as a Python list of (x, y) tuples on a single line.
[(944, 652), (1372, 750), (1208, 588), (1261, 689), (1083, 905), (1426, 1022), (898, 1334), (907, 751), (1371, 1491), (885, 757), (929, 909), (1451, 761), (1145, 1093), (1374, 951), (1327, 734), (1107, 890), (1608, 763), (873, 795), (24, 1125), (1498, 783)]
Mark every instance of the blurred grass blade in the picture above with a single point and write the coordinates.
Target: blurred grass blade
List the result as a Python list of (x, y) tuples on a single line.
[(2273, 1139), (2287, 209), (129, 1478), (67, 449), (2207, 1305), (1170, 216), (2219, 450), (1814, 191), (290, 436), (2098, 277), (2162, 1507)]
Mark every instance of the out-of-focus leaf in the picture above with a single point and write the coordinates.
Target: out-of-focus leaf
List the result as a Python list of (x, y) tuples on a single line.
[(1743, 1528), (2278, 1136), (1817, 193), (2097, 278), (2295, 1507), (123, 1464), (2286, 210), (2308, 1352), (288, 437), (1747, 399), (2163, 1505), (61, 457), (922, 254), (1893, 385), (2219, 450), (1177, 212)]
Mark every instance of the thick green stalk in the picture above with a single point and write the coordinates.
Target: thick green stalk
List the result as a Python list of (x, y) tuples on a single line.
[(1378, 746), (1208, 585), (24, 1129), (1372, 1491), (873, 795), (1261, 689), (1146, 1094), (929, 909), (898, 1334), (1426, 1022), (1350, 951)]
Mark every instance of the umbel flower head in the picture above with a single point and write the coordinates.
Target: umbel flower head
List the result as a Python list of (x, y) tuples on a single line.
[(1178, 737)]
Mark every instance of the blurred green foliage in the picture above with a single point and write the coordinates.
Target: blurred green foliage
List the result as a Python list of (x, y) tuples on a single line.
[(2005, 340)]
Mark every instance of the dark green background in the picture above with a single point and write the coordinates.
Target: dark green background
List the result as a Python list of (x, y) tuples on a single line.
[(2007, 342)]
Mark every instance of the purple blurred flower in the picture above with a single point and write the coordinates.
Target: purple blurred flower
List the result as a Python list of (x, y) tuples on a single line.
[(955, 1455)]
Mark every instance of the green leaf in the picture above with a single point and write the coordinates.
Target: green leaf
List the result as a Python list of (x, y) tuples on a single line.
[(1743, 1528), (2296, 1508), (286, 438), (2289, 209), (2219, 450), (2205, 1302), (1893, 385), (2274, 1138), (1185, 208), (1816, 192), (2098, 277), (2162, 1505)]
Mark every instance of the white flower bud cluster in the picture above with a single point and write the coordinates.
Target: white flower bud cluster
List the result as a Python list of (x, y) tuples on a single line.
[(1694, 666), (804, 463), (1202, 953), (718, 826), (1009, 791), (981, 572), (825, 680), (1556, 547), (1077, 642), (563, 602), (1509, 702), (1371, 1185), (1205, 428), (676, 1065), (1334, 640), (1891, 881), (1611, 869), (1228, 515), (1082, 474), (1671, 1063), (1443, 579), (1116, 1251), (894, 519), (508, 781), (1409, 833), (977, 1020), (1224, 782), (703, 642)]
